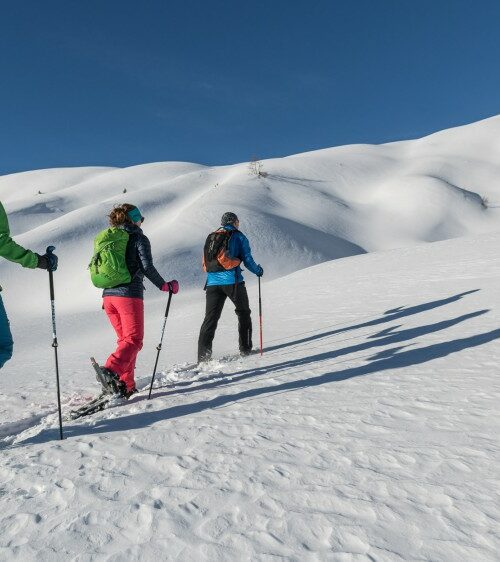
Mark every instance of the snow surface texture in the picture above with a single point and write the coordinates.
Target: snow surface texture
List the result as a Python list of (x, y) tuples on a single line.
[(367, 431)]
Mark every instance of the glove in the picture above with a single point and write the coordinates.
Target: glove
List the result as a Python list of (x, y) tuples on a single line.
[(47, 261), (171, 287), (260, 272)]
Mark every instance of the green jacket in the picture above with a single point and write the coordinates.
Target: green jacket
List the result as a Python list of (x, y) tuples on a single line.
[(9, 249)]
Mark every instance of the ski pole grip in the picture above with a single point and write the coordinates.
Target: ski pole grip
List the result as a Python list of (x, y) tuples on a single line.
[(49, 250)]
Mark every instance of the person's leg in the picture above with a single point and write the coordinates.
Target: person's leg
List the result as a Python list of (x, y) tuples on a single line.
[(215, 298), (133, 333), (239, 296), (6, 342), (114, 317), (127, 317)]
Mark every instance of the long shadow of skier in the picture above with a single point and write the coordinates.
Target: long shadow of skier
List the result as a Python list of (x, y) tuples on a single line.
[(388, 359), (385, 338), (389, 316), (389, 337)]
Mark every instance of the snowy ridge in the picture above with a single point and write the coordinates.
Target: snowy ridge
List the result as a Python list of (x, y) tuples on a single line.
[(309, 208)]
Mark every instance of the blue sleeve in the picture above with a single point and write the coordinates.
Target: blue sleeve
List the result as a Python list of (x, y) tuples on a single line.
[(244, 253)]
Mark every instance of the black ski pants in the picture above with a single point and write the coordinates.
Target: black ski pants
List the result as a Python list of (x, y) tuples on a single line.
[(216, 296)]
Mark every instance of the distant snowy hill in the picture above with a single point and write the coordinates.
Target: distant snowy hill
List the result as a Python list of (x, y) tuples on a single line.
[(310, 207)]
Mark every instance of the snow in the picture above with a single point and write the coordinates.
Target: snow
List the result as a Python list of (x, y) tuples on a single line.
[(367, 431)]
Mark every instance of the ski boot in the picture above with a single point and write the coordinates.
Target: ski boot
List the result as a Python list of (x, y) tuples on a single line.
[(109, 380), (113, 384), (128, 393)]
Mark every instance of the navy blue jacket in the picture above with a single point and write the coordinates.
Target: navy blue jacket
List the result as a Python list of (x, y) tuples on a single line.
[(238, 247), (140, 263)]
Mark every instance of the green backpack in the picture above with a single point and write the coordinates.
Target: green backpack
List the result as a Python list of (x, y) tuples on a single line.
[(108, 267)]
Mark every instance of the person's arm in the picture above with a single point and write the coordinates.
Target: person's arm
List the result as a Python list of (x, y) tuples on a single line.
[(12, 251), (246, 255), (146, 261)]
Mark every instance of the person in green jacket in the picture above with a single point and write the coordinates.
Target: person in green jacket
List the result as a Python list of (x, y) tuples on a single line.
[(13, 252)]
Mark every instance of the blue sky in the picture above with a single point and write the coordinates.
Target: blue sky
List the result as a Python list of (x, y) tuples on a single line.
[(119, 82)]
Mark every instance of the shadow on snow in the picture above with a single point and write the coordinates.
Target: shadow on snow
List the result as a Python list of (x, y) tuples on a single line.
[(389, 316), (397, 357)]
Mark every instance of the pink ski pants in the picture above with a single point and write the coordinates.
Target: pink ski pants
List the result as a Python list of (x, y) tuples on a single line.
[(127, 318)]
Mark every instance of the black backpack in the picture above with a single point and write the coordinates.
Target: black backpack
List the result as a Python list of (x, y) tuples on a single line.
[(215, 252)]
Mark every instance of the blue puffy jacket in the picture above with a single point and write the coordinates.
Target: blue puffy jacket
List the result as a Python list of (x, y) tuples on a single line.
[(238, 247)]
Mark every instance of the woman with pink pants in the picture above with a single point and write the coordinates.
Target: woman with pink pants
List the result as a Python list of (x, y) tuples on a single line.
[(124, 304)]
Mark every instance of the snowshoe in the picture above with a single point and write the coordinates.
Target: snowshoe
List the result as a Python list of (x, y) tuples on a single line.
[(109, 380), (95, 405)]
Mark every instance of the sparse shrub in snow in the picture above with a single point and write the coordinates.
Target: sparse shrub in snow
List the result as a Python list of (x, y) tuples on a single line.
[(255, 167)]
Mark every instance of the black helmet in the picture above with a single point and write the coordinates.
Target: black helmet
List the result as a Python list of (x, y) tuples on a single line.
[(228, 218)]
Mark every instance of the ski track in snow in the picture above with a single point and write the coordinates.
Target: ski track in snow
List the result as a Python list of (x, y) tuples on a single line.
[(178, 377)]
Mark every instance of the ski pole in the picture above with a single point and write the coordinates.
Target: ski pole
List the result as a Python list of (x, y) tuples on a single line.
[(158, 347), (260, 318), (49, 250)]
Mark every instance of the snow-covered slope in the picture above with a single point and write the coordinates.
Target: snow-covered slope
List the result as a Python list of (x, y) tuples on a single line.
[(368, 431), (310, 208)]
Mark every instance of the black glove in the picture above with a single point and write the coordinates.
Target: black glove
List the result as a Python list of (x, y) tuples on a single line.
[(47, 261), (260, 273)]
